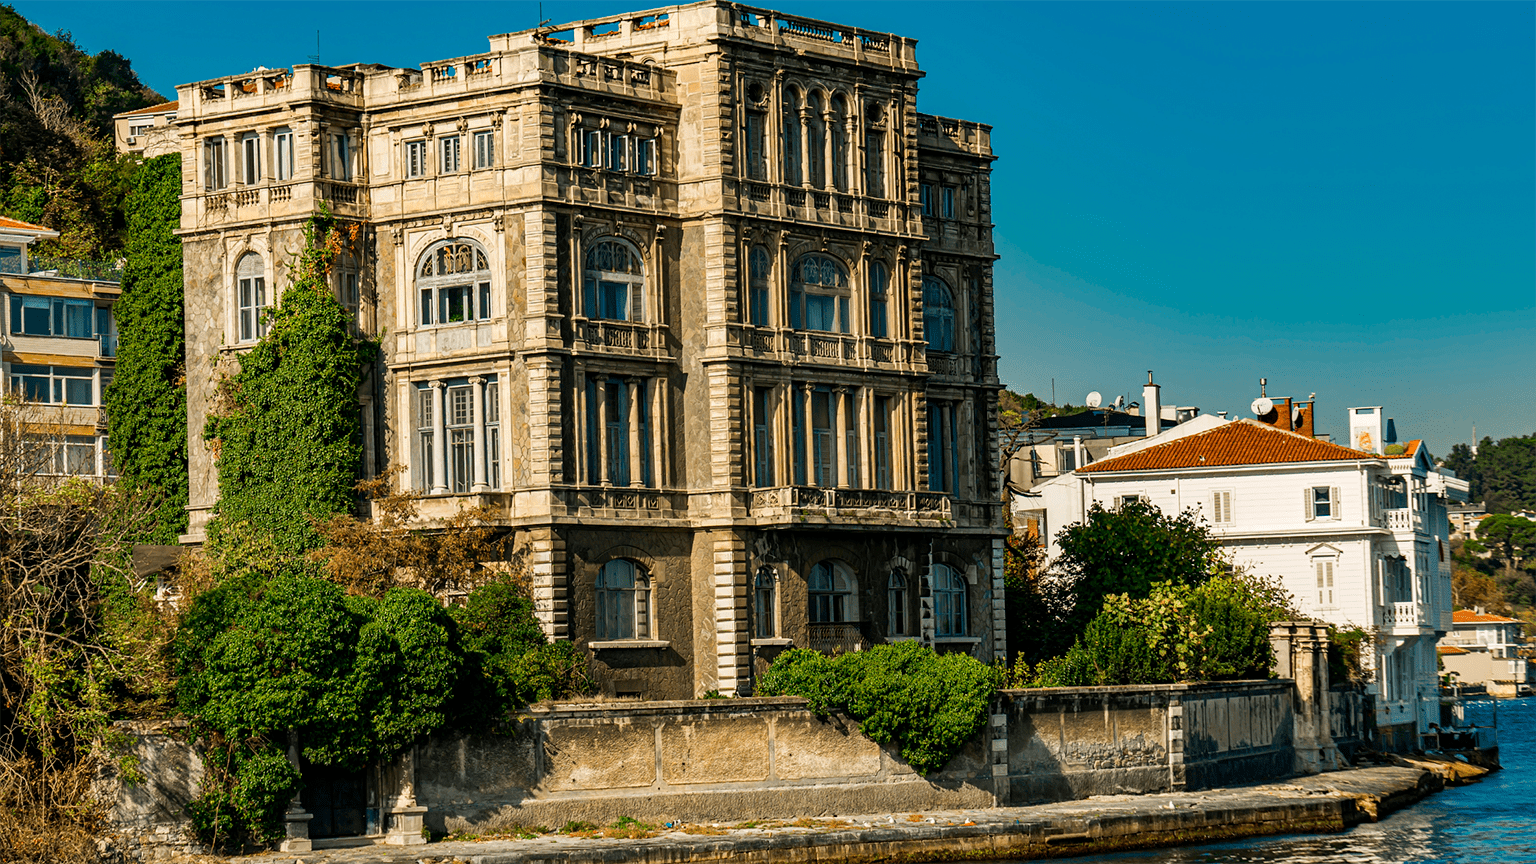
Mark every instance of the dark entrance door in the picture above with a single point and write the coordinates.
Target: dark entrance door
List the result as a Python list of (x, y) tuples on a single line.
[(338, 799)]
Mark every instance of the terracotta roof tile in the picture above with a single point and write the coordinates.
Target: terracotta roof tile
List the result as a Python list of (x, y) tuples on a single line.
[(1240, 442), (1467, 616), (17, 224), (153, 109), (1452, 649)]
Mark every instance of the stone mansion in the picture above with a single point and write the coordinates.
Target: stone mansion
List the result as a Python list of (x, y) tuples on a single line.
[(694, 298)]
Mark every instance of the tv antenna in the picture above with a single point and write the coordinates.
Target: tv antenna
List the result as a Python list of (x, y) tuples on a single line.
[(315, 57)]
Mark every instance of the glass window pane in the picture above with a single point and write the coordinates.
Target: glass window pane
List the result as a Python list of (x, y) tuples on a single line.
[(77, 391)]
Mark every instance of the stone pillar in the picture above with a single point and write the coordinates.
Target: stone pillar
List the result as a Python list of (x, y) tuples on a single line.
[(295, 821), (636, 475), (439, 435), (405, 815), (479, 444), (840, 429), (1301, 654)]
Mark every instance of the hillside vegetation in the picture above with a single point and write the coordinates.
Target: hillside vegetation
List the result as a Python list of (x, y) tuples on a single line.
[(58, 166)]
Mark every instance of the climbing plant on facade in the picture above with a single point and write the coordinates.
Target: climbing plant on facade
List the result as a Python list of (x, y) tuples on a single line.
[(286, 427), (147, 402)]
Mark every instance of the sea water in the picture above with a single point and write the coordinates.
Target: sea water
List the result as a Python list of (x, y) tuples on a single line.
[(1493, 821)]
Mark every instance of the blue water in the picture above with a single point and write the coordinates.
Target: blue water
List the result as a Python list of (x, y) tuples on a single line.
[(1493, 821)]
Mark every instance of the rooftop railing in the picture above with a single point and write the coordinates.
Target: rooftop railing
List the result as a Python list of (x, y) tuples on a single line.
[(65, 268)]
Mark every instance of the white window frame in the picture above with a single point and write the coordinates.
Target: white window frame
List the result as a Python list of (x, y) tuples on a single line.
[(1310, 502), (450, 153), (431, 300), (251, 298), (250, 158), (836, 293), (597, 279), (215, 163), (282, 153), (341, 156), (485, 148), (624, 611), (416, 158), (1325, 568)]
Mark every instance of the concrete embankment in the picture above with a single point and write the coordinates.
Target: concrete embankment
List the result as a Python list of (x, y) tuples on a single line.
[(1318, 804)]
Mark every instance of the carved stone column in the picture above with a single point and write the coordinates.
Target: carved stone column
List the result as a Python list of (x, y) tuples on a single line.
[(479, 445), (440, 436), (632, 421), (1301, 654), (295, 821), (405, 815)]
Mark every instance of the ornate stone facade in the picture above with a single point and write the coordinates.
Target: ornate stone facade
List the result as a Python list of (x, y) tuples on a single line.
[(694, 298)]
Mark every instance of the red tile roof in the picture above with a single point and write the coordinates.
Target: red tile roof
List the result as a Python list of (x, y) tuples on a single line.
[(1467, 616), (163, 107), (1240, 442), (1451, 649), (18, 225)]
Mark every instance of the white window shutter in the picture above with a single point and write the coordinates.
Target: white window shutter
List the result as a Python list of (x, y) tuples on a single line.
[(1337, 501), (1306, 502)]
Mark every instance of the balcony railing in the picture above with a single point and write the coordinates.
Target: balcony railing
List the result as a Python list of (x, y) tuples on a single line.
[(836, 638), (1405, 520), (851, 502), (67, 268), (1404, 615)]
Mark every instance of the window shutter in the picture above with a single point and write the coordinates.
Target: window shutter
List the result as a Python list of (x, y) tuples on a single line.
[(1337, 502), (636, 301), (1306, 502)]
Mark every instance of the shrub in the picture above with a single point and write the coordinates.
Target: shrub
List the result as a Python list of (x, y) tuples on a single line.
[(926, 704)]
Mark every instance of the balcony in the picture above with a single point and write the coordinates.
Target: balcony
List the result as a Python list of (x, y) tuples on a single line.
[(1405, 616), (65, 268), (621, 337), (1403, 519), (836, 638), (822, 206), (853, 505)]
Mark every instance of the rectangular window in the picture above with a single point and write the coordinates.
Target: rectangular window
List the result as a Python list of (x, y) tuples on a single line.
[(426, 430), (449, 148), (616, 401), (250, 159), (797, 428), (882, 432), (458, 406), (943, 459), (878, 311), (925, 199), (591, 148), (282, 147), (55, 385), (51, 316), (618, 152), (948, 211), (645, 156), (341, 157), (823, 412), (10, 259), (106, 331), (1321, 502), (415, 158), (762, 436), (757, 149), (214, 164), (874, 164), (349, 292), (485, 149), (851, 441), (1324, 568), (1221, 507), (252, 298), (492, 433)]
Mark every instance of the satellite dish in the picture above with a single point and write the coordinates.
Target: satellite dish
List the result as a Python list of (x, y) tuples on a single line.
[(1261, 406), (1296, 416), (1094, 400), (1119, 402)]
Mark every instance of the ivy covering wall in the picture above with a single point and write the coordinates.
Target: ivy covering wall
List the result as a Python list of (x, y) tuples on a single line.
[(286, 428), (147, 402)]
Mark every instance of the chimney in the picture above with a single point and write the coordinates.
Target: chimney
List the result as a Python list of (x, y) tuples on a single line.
[(1152, 406)]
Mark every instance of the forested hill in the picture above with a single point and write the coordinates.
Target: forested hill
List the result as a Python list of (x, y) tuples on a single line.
[(57, 164)]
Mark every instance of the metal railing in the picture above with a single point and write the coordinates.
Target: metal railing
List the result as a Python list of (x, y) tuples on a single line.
[(72, 268)]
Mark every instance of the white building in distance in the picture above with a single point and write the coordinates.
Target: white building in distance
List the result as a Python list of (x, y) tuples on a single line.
[(1358, 538)]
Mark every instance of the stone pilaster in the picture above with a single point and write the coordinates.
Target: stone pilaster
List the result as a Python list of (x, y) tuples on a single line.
[(1301, 654), (732, 650)]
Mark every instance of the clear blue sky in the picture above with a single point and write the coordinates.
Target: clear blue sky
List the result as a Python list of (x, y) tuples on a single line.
[(1340, 197)]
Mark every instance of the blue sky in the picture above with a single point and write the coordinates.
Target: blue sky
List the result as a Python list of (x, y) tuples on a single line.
[(1339, 197)]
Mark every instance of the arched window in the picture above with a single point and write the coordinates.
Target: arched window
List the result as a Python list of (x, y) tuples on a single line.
[(831, 593), (790, 136), (949, 602), (251, 296), (837, 141), (613, 281), (764, 603), (623, 601), (453, 282), (818, 295), (938, 314), (896, 605), (879, 300), (759, 271)]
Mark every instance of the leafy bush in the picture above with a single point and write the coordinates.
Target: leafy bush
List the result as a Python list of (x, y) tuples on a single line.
[(250, 808), (927, 704), (507, 650)]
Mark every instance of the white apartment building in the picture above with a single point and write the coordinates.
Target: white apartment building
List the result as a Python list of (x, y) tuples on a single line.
[(1359, 538), (1488, 649)]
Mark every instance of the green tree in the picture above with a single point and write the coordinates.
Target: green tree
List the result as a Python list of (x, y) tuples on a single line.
[(1507, 469), (147, 402), (1461, 461), (1511, 539), (287, 428), (1127, 551)]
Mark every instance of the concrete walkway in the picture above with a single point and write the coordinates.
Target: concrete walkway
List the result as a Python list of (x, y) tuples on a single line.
[(1320, 804)]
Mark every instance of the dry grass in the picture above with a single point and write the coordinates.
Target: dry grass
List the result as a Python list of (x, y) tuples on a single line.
[(48, 817)]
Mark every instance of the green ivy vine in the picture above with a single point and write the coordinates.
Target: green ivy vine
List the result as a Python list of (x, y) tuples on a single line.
[(147, 401), (287, 429)]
